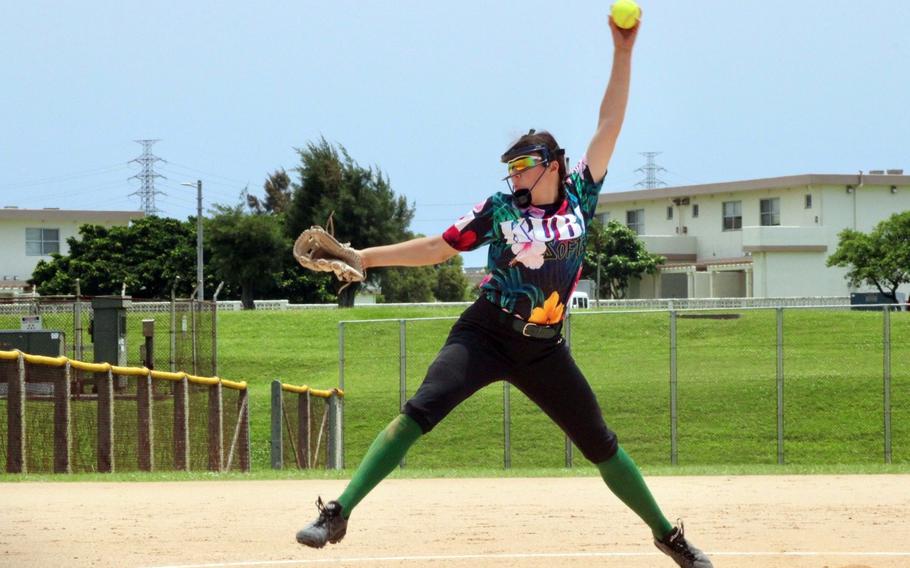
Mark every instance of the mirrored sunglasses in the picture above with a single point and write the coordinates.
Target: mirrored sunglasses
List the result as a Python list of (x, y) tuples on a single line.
[(522, 163)]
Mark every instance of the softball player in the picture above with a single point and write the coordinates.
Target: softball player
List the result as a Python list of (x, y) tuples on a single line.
[(536, 239)]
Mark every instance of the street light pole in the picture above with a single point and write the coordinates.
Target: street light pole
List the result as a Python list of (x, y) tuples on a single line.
[(199, 279)]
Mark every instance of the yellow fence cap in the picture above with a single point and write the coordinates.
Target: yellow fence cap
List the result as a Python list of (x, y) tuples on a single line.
[(90, 367), (46, 361), (10, 355), (130, 371)]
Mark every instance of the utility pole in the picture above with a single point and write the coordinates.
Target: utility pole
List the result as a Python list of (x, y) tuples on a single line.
[(650, 169), (147, 177), (199, 279)]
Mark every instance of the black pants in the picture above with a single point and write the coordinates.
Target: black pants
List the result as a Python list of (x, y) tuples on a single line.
[(482, 348)]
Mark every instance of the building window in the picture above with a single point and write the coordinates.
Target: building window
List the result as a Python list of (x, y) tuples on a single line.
[(733, 215), (635, 219), (670, 212), (770, 212), (42, 242), (808, 201), (695, 211), (604, 218)]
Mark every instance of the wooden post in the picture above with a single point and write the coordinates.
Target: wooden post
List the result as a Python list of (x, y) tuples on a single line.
[(62, 438), (276, 438), (181, 425), (243, 443), (104, 384), (15, 421), (303, 429), (216, 428), (335, 448), (144, 430)]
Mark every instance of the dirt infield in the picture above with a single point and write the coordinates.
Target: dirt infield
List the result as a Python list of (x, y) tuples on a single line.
[(788, 521)]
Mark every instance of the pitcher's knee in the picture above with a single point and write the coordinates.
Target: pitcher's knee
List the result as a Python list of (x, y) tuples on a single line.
[(599, 448)]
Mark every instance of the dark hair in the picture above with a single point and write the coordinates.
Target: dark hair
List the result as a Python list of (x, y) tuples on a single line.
[(542, 138)]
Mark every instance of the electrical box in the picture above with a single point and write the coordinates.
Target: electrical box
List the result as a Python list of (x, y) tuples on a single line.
[(45, 342), (109, 329), (49, 343)]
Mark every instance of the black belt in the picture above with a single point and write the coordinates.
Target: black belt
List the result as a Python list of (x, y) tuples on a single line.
[(529, 329)]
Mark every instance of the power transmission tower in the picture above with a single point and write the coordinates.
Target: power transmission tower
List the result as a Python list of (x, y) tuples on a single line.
[(650, 169), (147, 177)]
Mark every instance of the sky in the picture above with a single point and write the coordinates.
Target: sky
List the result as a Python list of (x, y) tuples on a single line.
[(431, 93)]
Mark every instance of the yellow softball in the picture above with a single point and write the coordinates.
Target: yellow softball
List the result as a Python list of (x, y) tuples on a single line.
[(625, 13)]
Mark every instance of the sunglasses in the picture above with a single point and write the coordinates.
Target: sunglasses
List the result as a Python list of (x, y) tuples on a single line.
[(522, 163)]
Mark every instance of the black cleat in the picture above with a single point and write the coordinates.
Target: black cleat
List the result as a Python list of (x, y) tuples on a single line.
[(329, 527), (681, 551)]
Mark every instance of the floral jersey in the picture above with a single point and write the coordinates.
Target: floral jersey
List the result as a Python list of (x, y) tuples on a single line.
[(535, 256)]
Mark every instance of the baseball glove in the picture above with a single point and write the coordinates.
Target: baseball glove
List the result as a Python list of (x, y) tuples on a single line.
[(319, 250)]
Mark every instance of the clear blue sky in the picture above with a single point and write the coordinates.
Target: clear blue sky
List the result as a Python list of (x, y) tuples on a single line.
[(432, 92)]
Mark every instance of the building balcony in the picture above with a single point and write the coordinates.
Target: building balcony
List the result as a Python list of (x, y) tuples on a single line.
[(674, 247), (784, 239)]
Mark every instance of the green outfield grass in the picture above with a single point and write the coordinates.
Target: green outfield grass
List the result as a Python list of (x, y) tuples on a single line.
[(727, 388)]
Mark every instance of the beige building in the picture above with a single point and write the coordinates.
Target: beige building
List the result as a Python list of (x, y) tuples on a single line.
[(31, 235), (763, 238)]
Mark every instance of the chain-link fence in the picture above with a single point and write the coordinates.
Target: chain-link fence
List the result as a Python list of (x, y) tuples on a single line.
[(695, 386), (62, 416), (306, 427), (185, 330)]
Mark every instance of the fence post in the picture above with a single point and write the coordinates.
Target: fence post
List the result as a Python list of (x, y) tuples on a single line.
[(277, 441), (674, 418), (402, 371), (62, 435), (243, 442), (216, 428), (886, 379), (506, 426), (341, 386), (194, 308), (104, 383), (77, 324), (336, 455), (567, 333), (15, 422), (303, 430), (181, 425), (780, 385), (144, 422), (173, 360)]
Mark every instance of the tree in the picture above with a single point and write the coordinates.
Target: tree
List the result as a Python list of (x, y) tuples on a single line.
[(247, 249), (880, 258), (365, 210), (147, 256), (451, 283), (277, 194), (621, 256), (408, 284)]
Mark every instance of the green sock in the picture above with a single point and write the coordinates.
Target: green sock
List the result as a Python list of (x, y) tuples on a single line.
[(382, 458), (625, 481)]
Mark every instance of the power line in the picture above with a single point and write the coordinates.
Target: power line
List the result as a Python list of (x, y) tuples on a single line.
[(147, 177)]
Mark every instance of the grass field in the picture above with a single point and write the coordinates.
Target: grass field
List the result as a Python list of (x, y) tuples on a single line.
[(727, 387)]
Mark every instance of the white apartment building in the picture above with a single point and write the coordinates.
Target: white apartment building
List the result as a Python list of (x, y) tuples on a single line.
[(760, 238), (31, 235)]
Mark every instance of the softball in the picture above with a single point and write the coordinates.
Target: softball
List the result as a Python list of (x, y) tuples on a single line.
[(625, 13)]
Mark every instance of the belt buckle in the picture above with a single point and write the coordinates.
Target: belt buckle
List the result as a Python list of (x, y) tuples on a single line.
[(524, 330)]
